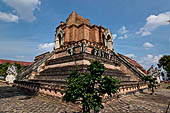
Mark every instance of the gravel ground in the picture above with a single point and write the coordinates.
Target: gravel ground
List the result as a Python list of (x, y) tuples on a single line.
[(13, 100)]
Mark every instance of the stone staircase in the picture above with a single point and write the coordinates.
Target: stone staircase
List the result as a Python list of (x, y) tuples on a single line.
[(59, 75), (23, 75), (138, 72)]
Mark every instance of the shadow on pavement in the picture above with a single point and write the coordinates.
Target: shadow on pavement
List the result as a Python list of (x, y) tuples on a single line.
[(8, 92)]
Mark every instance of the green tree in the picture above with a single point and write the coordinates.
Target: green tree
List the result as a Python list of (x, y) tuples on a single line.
[(19, 67), (164, 62), (152, 82), (3, 68), (90, 87)]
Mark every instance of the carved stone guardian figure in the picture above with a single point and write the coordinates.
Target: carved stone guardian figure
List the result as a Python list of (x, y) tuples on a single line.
[(11, 73), (70, 50), (154, 73)]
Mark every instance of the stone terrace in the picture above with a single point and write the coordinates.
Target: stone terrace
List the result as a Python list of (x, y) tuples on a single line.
[(13, 100)]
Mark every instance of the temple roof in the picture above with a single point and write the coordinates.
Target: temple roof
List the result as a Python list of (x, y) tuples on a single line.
[(12, 61), (76, 19)]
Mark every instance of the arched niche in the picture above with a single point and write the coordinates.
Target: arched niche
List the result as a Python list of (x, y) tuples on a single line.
[(108, 39), (59, 39)]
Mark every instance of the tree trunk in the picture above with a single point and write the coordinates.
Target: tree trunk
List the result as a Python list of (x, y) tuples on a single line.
[(153, 90), (83, 106)]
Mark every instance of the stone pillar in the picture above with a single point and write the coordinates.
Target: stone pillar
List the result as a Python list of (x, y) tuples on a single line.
[(59, 38), (110, 44), (108, 39), (57, 45)]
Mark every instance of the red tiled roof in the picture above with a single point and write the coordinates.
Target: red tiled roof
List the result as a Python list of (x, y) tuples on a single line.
[(12, 61), (40, 56)]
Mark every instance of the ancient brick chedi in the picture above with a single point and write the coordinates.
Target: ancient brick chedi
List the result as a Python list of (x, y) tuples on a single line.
[(78, 40), (78, 28)]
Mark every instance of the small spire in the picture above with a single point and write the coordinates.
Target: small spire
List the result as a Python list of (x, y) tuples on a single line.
[(74, 12), (76, 19)]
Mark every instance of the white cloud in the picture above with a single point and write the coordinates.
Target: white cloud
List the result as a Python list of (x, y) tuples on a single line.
[(20, 56), (130, 55), (123, 37), (149, 60), (153, 22), (143, 32), (114, 36), (148, 45), (8, 17), (123, 33), (46, 46), (122, 30), (25, 8)]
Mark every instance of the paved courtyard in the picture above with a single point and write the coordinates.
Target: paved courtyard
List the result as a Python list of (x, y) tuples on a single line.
[(13, 100)]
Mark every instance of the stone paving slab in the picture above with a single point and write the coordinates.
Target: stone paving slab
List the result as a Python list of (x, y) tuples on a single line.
[(13, 100)]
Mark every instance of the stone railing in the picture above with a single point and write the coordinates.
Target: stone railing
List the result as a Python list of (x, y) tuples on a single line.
[(130, 66), (45, 88), (33, 67), (56, 89)]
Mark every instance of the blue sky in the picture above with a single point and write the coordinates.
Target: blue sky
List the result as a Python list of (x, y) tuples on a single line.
[(140, 27)]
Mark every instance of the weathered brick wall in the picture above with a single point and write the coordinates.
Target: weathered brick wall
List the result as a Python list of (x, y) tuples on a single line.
[(78, 28)]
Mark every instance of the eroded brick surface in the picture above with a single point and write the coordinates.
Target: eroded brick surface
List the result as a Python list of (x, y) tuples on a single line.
[(13, 100)]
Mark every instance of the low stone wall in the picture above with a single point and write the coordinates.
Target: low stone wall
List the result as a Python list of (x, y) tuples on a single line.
[(48, 89), (55, 90), (132, 87)]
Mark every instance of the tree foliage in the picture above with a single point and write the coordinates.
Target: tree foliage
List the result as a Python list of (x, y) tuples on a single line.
[(89, 87), (152, 82), (164, 62), (4, 67), (19, 67)]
